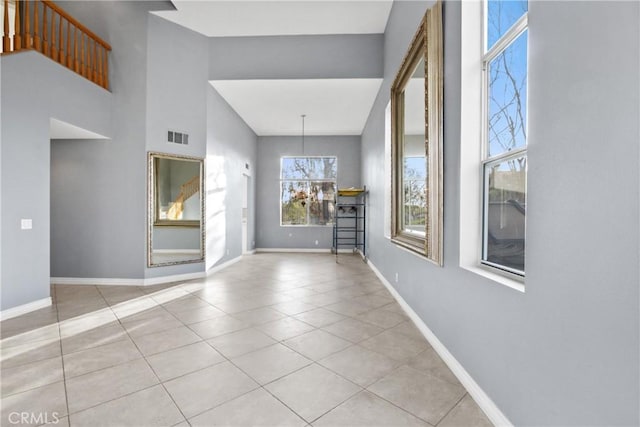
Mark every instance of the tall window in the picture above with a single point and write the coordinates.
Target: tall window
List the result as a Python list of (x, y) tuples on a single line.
[(307, 190), (504, 161)]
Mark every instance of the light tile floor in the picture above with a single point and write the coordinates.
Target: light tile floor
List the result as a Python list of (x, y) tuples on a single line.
[(273, 340)]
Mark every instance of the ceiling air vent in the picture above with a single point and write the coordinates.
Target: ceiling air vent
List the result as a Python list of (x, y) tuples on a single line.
[(178, 137)]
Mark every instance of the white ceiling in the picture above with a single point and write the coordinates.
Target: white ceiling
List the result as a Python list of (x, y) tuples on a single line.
[(63, 130), (274, 107), (217, 18)]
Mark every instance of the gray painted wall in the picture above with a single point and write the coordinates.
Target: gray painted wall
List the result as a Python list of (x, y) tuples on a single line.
[(296, 57), (176, 87), (566, 351), (231, 145), (270, 150), (38, 88), (105, 183), (159, 82), (176, 100)]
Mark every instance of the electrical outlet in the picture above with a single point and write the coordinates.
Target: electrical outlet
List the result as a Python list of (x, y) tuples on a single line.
[(316, 243), (26, 224), (396, 277)]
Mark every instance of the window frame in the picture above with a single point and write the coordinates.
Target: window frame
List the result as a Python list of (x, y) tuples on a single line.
[(472, 146), (308, 181), (427, 44), (488, 55)]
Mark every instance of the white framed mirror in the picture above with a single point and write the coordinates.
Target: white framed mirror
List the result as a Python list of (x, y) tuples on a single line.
[(175, 209)]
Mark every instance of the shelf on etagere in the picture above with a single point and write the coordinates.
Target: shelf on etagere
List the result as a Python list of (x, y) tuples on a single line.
[(350, 220)]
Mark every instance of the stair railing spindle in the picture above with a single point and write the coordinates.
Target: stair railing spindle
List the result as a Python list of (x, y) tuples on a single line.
[(17, 35), (76, 59), (6, 37), (28, 40), (37, 42)]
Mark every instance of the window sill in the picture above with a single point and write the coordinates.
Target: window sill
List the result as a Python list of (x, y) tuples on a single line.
[(411, 249), (493, 275)]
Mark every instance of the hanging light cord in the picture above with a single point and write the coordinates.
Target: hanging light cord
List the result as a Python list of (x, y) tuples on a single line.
[(303, 116)]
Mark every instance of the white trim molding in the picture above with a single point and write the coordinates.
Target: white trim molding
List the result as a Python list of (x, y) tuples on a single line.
[(149, 281), (107, 281), (293, 250), (25, 308), (482, 399), (177, 251), (93, 281), (222, 266)]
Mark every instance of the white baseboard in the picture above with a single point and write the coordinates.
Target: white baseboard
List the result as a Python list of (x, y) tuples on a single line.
[(25, 308), (482, 399), (294, 250), (149, 281), (93, 281), (222, 266), (177, 251), (251, 252)]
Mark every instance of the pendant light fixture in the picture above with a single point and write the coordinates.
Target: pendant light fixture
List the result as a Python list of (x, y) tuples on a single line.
[(301, 194)]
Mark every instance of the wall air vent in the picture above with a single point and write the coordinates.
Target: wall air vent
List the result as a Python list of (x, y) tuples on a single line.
[(178, 137)]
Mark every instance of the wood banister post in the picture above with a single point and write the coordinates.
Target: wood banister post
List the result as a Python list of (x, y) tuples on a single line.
[(105, 70), (60, 40), (17, 35), (95, 62), (36, 24), (51, 46), (83, 62), (28, 40), (86, 55), (69, 57), (6, 40), (76, 59), (99, 79)]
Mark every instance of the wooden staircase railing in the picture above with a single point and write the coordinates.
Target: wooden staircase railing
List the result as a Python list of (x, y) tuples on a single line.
[(187, 190), (43, 26)]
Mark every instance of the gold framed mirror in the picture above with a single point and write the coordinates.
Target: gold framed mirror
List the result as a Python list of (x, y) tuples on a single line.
[(175, 188), (417, 142)]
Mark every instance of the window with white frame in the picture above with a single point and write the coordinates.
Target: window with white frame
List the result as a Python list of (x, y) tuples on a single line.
[(504, 122), (307, 190), (493, 139)]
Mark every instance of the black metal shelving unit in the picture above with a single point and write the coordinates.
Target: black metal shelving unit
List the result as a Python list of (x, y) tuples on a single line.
[(350, 221)]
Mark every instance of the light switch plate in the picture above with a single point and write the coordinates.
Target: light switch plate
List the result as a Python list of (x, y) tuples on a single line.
[(26, 224)]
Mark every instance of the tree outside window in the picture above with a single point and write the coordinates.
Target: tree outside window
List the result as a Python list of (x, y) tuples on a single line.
[(307, 190)]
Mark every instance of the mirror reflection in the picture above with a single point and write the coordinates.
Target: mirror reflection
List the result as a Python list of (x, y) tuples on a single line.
[(176, 232), (414, 160)]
